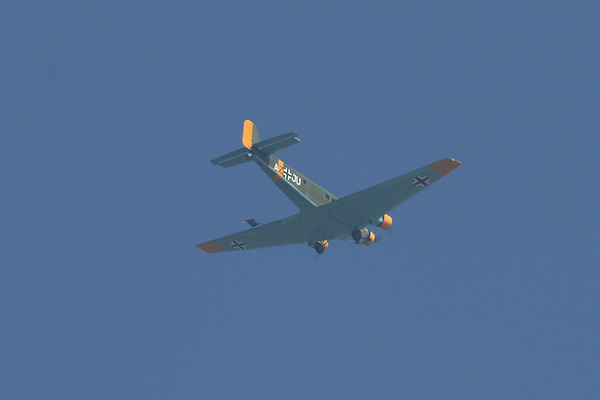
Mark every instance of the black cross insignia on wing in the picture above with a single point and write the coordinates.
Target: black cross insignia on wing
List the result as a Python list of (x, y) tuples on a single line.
[(421, 181), (238, 245)]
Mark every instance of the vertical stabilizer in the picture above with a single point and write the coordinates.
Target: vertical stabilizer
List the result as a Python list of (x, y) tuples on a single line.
[(250, 135)]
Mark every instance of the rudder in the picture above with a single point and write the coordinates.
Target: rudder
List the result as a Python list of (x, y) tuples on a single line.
[(253, 145), (250, 135)]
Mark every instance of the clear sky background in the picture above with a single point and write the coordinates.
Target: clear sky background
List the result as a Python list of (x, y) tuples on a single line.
[(111, 111)]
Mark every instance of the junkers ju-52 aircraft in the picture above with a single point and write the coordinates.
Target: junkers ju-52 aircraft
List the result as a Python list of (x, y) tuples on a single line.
[(322, 216)]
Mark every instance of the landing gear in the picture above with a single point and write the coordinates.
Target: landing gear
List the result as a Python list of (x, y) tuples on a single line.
[(252, 222)]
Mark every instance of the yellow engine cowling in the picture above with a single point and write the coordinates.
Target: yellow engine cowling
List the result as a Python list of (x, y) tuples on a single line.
[(370, 241), (363, 236), (384, 222)]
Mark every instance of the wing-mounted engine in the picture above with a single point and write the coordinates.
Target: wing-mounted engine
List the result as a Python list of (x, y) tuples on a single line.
[(384, 222), (321, 246), (363, 236)]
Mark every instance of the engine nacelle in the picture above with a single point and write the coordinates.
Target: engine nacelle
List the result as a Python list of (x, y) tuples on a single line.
[(321, 246), (384, 222), (363, 236)]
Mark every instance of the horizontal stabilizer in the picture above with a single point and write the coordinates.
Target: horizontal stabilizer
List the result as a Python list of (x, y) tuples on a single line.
[(236, 157), (267, 147), (273, 145)]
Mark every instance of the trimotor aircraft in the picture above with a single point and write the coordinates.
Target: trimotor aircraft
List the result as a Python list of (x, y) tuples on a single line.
[(322, 215)]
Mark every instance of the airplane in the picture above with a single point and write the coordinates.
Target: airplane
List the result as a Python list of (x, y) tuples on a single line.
[(322, 216)]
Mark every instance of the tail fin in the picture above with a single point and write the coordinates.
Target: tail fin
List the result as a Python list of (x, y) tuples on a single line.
[(250, 135), (253, 145)]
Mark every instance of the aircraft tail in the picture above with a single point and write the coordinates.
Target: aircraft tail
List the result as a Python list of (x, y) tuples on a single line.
[(250, 135), (302, 191), (253, 144)]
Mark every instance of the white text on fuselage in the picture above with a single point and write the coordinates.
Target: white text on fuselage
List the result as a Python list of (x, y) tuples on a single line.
[(286, 173)]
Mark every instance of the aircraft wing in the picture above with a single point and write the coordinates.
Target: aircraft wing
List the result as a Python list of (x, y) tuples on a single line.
[(362, 208), (337, 218), (290, 230)]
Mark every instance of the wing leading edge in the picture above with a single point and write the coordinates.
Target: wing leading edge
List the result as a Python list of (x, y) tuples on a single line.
[(362, 208), (290, 230)]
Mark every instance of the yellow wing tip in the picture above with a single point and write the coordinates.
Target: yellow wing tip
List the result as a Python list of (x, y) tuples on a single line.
[(210, 247), (445, 166)]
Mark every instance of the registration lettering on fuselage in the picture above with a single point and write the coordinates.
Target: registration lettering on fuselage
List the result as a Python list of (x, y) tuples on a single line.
[(286, 173)]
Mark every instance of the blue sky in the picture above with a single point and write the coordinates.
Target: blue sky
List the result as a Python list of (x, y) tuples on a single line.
[(486, 288)]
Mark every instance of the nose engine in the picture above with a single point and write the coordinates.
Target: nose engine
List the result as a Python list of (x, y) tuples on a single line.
[(363, 236)]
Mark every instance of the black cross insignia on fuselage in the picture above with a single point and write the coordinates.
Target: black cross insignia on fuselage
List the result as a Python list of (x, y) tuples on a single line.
[(419, 181), (238, 245)]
